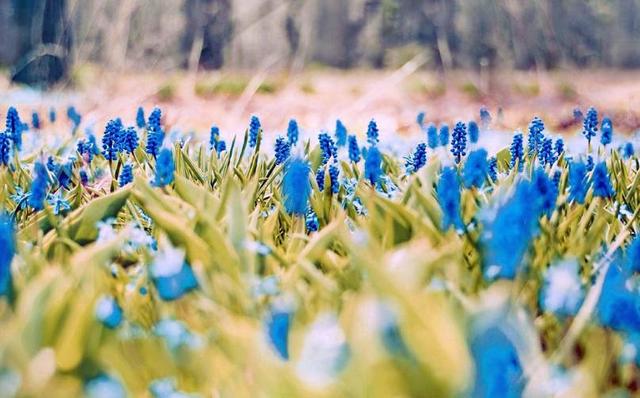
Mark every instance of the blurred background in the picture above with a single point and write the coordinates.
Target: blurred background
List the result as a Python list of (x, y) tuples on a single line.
[(222, 60)]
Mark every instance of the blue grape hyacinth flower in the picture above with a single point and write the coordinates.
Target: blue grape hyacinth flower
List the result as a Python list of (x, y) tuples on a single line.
[(444, 135), (254, 131), (165, 168), (35, 120), (499, 371), (372, 133), (590, 163), (155, 119), (111, 139), (493, 168), (372, 165), (282, 149), (448, 192), (432, 136), (517, 152), (277, 324), (485, 117), (74, 117), (172, 275), (474, 132), (600, 181), (155, 134), (126, 176), (506, 237), (354, 150), (627, 150), (417, 160), (420, 119), (341, 133), (547, 155), (607, 131), (8, 250), (296, 187), (328, 148), (140, 120), (312, 223), (559, 147), (578, 184), (320, 178), (619, 304), (459, 141), (14, 127), (293, 132), (536, 137), (475, 169), (5, 148), (590, 124), (577, 114), (129, 140), (52, 115), (334, 174), (214, 137), (39, 187)]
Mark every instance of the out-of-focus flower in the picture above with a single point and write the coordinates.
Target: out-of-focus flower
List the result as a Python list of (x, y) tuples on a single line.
[(474, 132), (58, 203), (607, 131), (354, 150), (507, 235), (172, 276), (8, 250), (372, 133), (499, 371), (109, 312), (444, 135), (562, 292), (104, 386), (165, 168), (372, 165), (296, 187), (140, 120), (324, 352), (448, 190), (341, 133), (277, 324), (475, 169), (600, 181), (39, 187)]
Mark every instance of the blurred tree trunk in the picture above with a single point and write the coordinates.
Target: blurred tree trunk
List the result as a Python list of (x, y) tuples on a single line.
[(208, 31), (45, 45)]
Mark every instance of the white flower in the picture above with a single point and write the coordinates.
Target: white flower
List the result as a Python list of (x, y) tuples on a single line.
[(105, 307), (324, 351), (168, 262), (105, 230), (563, 291)]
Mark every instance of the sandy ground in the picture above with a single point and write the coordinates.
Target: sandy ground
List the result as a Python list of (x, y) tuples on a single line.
[(316, 98)]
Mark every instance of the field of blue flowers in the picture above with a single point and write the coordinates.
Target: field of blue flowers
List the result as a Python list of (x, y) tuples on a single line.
[(141, 263)]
